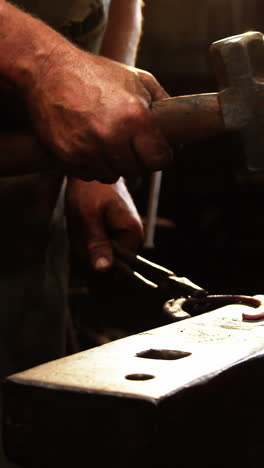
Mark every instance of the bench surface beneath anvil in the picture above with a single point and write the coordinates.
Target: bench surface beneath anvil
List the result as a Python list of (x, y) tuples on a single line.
[(178, 379)]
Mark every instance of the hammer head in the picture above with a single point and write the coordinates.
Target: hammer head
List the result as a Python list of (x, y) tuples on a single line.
[(239, 66)]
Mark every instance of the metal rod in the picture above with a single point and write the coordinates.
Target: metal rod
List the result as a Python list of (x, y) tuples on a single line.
[(152, 209)]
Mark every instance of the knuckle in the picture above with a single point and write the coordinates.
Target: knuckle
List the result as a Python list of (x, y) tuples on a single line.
[(135, 108), (102, 131), (146, 74), (136, 113)]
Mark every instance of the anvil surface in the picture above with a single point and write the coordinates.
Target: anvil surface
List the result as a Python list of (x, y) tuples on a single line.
[(195, 383)]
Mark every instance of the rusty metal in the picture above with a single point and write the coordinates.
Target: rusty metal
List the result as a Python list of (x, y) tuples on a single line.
[(185, 394)]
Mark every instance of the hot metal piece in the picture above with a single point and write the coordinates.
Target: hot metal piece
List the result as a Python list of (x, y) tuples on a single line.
[(182, 308)]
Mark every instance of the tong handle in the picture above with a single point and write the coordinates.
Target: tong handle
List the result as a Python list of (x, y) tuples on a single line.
[(156, 276)]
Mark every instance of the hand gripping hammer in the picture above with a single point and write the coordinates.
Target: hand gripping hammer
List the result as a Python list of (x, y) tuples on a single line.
[(238, 106)]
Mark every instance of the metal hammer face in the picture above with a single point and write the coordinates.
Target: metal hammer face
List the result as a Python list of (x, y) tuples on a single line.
[(239, 66)]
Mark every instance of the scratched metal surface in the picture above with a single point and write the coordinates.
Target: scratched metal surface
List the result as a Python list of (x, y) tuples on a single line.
[(216, 341)]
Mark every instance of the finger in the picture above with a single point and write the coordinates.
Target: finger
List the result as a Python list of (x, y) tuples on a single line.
[(152, 148), (129, 240), (153, 87), (124, 159), (99, 247), (140, 145), (149, 143), (101, 256), (124, 225)]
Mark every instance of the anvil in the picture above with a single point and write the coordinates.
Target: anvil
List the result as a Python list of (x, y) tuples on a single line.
[(183, 395)]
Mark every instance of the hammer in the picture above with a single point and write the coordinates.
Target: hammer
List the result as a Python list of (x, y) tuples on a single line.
[(238, 106)]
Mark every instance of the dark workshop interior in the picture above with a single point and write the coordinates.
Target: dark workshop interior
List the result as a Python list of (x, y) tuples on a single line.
[(210, 217), (209, 228)]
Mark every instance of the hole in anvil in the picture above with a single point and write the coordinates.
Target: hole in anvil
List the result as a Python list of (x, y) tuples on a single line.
[(139, 377), (165, 354)]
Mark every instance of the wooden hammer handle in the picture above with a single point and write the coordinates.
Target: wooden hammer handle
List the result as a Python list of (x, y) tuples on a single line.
[(185, 119)]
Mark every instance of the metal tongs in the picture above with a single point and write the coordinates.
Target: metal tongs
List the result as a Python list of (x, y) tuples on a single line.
[(155, 276), (184, 299)]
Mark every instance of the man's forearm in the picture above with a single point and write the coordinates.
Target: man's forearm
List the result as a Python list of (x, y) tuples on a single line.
[(25, 44), (123, 31), (62, 86)]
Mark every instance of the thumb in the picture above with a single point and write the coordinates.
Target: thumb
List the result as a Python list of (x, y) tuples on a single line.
[(99, 246)]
